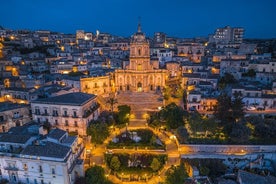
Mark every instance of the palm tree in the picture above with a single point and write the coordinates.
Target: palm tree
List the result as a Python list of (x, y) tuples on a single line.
[(112, 101)]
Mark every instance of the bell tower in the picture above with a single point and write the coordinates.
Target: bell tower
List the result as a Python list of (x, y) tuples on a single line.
[(139, 58)]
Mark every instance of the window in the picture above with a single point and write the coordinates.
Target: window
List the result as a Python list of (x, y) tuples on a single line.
[(66, 123), (25, 167), (40, 169), (55, 113), (75, 114), (45, 111), (56, 122), (65, 113), (139, 67), (35, 181), (76, 124), (37, 111), (53, 171)]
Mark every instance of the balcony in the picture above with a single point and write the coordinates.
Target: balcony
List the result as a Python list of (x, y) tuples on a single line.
[(45, 114), (90, 111), (65, 115), (11, 168), (17, 117), (55, 114), (75, 116)]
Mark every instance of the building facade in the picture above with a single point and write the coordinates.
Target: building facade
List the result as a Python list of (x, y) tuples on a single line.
[(12, 114), (71, 112), (140, 75), (32, 157), (227, 35)]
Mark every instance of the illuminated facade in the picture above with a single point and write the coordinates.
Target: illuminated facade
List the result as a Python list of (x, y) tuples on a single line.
[(140, 75)]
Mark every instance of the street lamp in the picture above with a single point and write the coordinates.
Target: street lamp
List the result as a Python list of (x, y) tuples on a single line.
[(122, 174), (126, 127)]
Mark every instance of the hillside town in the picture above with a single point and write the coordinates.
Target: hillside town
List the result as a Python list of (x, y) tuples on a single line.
[(54, 86)]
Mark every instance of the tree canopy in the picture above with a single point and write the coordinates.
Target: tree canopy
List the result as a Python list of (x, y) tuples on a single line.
[(173, 116), (226, 80), (176, 175), (155, 164), (96, 175), (115, 163), (228, 110), (123, 113), (98, 131)]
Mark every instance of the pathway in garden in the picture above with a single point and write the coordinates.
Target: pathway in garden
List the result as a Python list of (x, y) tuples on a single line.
[(141, 104)]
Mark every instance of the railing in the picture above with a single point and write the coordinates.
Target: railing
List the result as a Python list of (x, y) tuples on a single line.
[(90, 111), (17, 117), (11, 168)]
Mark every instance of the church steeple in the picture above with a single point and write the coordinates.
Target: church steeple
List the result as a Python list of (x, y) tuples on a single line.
[(139, 26)]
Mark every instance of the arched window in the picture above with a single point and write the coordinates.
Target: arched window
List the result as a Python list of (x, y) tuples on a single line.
[(139, 52)]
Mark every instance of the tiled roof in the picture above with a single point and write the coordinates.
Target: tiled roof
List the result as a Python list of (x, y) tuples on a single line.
[(47, 149), (77, 98), (56, 134), (11, 138), (31, 128), (4, 106), (249, 178), (69, 140)]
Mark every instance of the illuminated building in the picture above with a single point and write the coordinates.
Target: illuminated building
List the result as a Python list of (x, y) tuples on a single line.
[(71, 112), (140, 75)]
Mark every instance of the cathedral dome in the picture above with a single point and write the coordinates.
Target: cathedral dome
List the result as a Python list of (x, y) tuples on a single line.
[(139, 36)]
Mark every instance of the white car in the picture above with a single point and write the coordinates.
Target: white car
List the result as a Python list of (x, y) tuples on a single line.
[(251, 108)]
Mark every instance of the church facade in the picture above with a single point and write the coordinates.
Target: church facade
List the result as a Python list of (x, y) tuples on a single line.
[(140, 75)]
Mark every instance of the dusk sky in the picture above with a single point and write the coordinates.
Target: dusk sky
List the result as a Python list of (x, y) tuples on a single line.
[(179, 18)]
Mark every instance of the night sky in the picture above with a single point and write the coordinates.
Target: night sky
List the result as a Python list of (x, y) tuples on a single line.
[(181, 18)]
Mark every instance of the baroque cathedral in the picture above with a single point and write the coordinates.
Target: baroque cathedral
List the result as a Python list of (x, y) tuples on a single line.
[(139, 75)]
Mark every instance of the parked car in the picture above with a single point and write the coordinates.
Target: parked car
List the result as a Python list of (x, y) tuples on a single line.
[(251, 108), (260, 108)]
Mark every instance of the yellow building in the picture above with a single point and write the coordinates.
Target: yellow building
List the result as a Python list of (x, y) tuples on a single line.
[(140, 75), (96, 85)]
